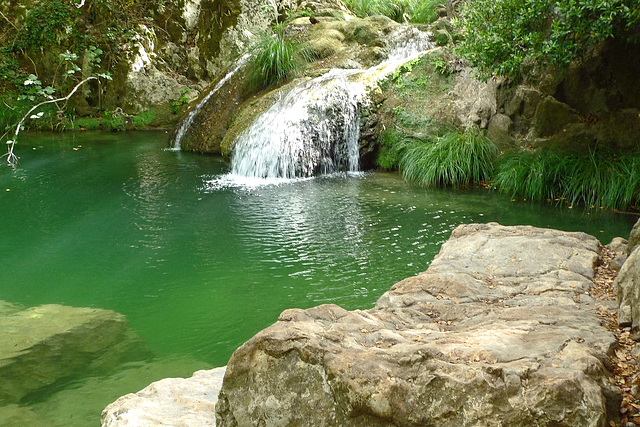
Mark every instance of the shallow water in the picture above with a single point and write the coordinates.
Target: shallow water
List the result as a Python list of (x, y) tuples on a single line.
[(199, 264)]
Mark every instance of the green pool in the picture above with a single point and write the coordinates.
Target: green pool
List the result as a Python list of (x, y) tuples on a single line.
[(198, 264)]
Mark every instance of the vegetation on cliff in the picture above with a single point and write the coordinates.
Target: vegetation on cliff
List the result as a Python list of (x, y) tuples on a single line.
[(511, 37)]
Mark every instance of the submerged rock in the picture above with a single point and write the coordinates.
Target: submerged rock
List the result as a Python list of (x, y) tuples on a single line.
[(43, 346), (171, 401), (500, 330)]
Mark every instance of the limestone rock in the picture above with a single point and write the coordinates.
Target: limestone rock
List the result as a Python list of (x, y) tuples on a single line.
[(618, 246), (475, 101), (552, 116), (499, 130), (499, 330), (627, 284), (634, 238), (172, 401), (46, 345)]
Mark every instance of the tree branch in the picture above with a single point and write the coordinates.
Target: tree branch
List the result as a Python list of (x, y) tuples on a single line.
[(11, 158)]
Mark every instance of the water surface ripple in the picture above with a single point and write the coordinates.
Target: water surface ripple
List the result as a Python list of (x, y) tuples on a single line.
[(199, 263)]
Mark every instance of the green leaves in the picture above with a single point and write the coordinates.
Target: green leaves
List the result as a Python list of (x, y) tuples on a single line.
[(506, 37)]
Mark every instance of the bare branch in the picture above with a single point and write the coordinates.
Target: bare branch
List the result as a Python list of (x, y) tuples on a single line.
[(12, 24), (11, 158)]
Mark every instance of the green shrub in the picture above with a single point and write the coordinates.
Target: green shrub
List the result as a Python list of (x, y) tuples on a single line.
[(86, 123), (507, 37), (599, 179), (276, 58), (143, 119), (456, 159), (389, 150), (423, 11)]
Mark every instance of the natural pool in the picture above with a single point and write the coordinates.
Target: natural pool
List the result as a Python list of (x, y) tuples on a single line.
[(116, 221)]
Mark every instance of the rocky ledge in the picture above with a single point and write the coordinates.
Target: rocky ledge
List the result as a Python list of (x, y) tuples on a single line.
[(500, 330)]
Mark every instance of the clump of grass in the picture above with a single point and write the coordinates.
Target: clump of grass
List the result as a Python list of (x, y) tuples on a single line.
[(276, 58), (423, 11), (455, 159), (598, 179), (418, 11)]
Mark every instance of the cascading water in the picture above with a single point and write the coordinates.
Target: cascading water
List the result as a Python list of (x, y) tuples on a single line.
[(187, 121), (314, 128)]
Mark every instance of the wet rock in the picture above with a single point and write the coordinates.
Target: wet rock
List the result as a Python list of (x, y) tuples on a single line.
[(171, 401), (44, 346), (499, 330)]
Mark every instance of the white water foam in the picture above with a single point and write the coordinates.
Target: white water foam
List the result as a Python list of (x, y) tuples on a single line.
[(315, 127), (312, 129)]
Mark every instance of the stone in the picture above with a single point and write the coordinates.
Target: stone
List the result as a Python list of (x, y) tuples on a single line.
[(499, 130), (172, 401), (634, 238), (552, 116), (47, 345), (499, 330), (627, 285), (474, 101), (618, 247)]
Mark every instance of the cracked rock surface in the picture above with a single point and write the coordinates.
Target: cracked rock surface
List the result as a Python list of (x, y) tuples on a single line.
[(500, 330)]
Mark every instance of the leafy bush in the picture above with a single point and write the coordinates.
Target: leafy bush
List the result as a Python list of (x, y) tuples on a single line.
[(598, 179), (456, 159), (143, 119), (507, 36)]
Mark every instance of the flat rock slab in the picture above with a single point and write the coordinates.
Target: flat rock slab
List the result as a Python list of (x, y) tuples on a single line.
[(42, 346), (500, 330), (177, 402)]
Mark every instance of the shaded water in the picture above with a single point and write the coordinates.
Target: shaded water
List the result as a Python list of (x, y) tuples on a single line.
[(116, 221)]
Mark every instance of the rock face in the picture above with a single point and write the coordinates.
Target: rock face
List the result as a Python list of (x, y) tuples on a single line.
[(500, 330), (627, 284), (179, 402), (44, 346)]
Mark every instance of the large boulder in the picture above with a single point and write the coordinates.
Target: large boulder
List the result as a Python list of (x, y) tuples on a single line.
[(500, 330), (627, 285), (171, 401), (44, 346)]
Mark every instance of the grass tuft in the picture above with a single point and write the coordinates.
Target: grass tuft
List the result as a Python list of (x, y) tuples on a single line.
[(417, 11), (599, 179), (276, 58), (456, 159)]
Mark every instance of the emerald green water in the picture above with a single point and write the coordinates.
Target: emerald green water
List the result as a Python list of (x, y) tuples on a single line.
[(115, 221)]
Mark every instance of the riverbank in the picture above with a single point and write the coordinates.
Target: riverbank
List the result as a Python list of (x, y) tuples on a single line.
[(596, 302)]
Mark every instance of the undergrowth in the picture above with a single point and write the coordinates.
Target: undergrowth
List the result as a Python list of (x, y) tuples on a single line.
[(276, 58), (417, 11), (599, 179), (455, 159)]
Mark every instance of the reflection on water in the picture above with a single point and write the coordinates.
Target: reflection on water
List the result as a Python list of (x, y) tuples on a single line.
[(199, 262)]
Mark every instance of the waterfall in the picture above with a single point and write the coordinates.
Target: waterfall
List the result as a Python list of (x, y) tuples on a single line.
[(314, 127), (186, 122)]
